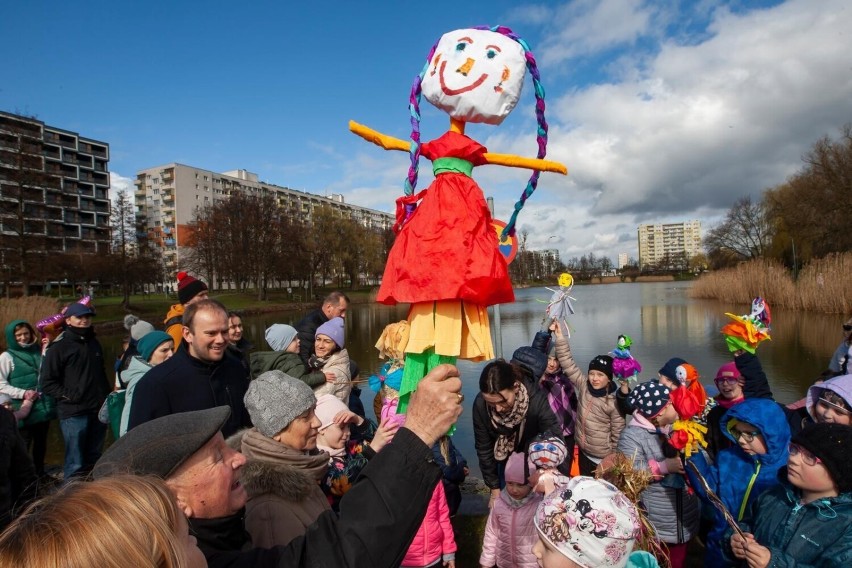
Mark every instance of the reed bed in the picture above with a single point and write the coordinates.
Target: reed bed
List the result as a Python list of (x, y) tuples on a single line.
[(29, 308), (821, 286)]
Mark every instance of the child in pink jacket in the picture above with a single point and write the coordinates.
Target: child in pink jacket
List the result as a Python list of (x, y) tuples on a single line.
[(510, 533), (434, 544)]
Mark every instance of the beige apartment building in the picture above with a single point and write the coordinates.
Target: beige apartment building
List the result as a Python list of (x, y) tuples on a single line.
[(60, 181), (167, 198), (668, 241)]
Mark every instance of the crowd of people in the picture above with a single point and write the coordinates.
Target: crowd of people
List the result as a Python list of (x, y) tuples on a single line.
[(230, 455)]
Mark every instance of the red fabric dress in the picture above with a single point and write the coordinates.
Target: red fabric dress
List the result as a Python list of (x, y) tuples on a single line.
[(447, 250)]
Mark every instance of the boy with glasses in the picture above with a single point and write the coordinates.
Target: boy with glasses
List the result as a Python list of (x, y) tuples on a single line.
[(806, 521), (758, 430)]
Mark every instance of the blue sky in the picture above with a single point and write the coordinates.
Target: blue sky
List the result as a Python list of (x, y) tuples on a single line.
[(662, 111)]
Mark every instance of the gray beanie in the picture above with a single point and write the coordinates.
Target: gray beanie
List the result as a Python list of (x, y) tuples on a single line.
[(138, 328), (280, 335), (274, 399)]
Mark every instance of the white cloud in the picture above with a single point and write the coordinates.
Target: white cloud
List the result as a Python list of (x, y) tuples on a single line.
[(119, 183), (674, 127)]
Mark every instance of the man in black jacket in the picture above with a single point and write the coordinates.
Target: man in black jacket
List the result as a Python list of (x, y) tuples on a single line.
[(379, 515), (334, 305), (73, 373), (198, 376)]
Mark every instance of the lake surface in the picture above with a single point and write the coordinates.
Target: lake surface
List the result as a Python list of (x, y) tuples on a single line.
[(660, 318)]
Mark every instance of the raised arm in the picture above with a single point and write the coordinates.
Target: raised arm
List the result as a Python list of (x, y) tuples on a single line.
[(379, 139), (514, 161)]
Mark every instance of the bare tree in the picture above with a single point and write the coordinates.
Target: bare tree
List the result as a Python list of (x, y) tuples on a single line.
[(744, 234)]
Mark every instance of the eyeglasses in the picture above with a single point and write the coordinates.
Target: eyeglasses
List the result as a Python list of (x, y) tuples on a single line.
[(834, 406), (807, 457), (748, 436), (726, 380), (847, 327)]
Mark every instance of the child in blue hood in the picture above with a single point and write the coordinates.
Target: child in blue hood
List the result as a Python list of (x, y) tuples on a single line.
[(760, 434), (806, 520)]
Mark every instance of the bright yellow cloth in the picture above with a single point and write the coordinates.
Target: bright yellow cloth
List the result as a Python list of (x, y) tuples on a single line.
[(452, 327)]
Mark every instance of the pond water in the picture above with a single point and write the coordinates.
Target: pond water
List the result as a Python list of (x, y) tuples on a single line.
[(660, 318)]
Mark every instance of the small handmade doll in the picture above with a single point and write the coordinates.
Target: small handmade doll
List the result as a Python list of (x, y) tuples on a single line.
[(445, 260), (624, 367), (546, 453), (746, 332), (559, 307)]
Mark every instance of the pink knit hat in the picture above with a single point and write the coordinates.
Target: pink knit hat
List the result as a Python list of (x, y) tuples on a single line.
[(328, 406), (515, 469)]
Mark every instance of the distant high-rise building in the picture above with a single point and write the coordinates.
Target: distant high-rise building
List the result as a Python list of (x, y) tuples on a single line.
[(167, 198), (670, 243), (622, 260), (54, 190)]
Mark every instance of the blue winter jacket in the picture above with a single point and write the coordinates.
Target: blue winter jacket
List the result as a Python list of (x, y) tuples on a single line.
[(818, 534), (737, 477)]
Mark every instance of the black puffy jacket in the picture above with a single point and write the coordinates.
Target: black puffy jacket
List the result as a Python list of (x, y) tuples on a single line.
[(73, 372)]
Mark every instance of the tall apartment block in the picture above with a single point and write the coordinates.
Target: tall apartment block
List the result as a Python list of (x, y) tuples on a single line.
[(669, 240), (60, 180), (622, 260), (167, 198)]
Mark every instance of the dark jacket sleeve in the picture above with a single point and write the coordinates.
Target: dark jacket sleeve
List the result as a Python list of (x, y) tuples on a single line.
[(51, 376), (484, 438), (756, 384), (622, 403), (378, 517), (18, 481), (149, 401)]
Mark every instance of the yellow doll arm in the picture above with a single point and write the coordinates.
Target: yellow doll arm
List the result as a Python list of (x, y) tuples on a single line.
[(513, 161), (379, 139)]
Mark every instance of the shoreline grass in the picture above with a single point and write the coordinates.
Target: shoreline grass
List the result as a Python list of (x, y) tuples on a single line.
[(820, 287)]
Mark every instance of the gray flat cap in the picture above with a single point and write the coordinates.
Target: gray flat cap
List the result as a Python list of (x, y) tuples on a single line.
[(160, 446)]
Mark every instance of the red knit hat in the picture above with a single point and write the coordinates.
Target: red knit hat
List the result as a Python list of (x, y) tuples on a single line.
[(188, 287)]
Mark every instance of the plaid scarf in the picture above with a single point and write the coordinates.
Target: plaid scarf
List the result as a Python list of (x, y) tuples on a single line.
[(563, 401), (507, 423)]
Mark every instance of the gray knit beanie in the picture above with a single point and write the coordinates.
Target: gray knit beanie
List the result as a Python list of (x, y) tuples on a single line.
[(138, 328), (280, 335), (274, 399)]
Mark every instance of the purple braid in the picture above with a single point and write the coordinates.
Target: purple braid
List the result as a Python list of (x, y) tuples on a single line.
[(414, 111), (541, 131)]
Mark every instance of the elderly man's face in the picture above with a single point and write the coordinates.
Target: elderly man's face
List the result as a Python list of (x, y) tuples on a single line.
[(208, 336), (207, 485)]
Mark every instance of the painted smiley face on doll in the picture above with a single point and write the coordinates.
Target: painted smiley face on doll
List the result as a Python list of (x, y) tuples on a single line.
[(475, 75)]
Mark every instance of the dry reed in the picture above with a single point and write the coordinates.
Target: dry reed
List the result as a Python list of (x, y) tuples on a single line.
[(28, 308), (821, 286)]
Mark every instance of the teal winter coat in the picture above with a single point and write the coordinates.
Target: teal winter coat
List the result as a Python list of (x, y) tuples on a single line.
[(818, 534), (24, 372)]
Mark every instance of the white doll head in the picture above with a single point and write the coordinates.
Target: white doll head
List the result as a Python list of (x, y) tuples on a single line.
[(475, 75)]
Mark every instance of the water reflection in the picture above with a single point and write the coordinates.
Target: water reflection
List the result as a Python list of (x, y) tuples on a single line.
[(660, 317)]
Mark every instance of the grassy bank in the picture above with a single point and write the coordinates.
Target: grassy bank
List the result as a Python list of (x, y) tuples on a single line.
[(821, 286)]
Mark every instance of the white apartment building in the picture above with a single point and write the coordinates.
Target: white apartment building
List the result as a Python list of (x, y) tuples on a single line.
[(622, 260), (167, 198), (669, 240)]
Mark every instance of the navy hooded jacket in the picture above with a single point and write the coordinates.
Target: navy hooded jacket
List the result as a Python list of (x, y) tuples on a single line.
[(739, 478)]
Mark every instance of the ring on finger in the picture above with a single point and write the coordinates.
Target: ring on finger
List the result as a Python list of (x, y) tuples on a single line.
[(461, 397)]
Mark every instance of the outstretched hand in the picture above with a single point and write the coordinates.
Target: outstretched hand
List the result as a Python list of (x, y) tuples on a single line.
[(435, 405)]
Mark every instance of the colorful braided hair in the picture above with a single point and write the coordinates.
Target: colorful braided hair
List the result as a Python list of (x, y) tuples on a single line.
[(541, 136)]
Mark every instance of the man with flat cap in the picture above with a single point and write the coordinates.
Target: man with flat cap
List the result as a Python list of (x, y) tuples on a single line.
[(378, 517)]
